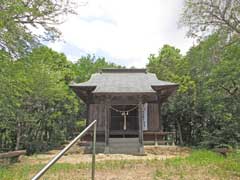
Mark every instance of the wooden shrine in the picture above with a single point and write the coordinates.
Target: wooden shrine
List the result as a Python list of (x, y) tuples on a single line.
[(126, 104)]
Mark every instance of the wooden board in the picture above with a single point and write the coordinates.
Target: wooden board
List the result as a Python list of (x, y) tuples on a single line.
[(153, 117), (12, 154), (97, 111)]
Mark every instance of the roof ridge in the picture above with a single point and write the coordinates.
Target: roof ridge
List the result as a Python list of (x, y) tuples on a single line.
[(118, 70)]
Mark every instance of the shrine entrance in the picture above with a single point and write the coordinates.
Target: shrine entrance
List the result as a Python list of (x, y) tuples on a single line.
[(124, 121)]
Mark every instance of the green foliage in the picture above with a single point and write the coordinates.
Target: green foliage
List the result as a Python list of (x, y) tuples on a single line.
[(205, 110), (38, 110), (170, 65), (223, 102), (23, 23), (81, 124), (87, 65)]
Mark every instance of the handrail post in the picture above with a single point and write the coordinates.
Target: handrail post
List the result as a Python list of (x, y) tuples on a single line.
[(94, 151), (61, 153)]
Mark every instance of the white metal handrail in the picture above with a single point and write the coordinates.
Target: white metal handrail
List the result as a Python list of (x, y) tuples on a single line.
[(60, 154)]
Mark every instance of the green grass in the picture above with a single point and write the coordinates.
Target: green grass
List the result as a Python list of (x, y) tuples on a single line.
[(21, 172), (201, 164)]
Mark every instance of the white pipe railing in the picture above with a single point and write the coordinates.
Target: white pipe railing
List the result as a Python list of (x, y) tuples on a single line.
[(61, 153)]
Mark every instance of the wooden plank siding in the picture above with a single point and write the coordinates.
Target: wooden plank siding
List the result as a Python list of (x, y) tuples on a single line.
[(153, 117), (97, 111)]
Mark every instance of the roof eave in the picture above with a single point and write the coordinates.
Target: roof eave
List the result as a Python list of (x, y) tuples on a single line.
[(84, 88), (164, 87)]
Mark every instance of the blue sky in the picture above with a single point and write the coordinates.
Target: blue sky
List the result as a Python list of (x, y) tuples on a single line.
[(123, 31)]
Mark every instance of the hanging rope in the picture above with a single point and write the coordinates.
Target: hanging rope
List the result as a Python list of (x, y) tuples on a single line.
[(126, 111), (124, 114)]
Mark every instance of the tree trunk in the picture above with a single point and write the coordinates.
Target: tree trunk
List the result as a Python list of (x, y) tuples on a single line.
[(179, 132), (18, 136)]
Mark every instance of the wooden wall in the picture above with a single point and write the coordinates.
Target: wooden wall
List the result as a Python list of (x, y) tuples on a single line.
[(97, 111), (153, 117)]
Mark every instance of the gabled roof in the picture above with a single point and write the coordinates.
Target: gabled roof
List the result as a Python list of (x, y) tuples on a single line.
[(123, 81)]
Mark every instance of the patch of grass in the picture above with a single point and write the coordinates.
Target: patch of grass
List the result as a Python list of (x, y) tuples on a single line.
[(17, 172), (201, 164), (25, 171), (22, 172)]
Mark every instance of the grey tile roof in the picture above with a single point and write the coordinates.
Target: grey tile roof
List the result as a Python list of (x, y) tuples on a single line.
[(123, 81)]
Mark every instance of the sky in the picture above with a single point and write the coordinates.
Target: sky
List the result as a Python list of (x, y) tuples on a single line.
[(125, 32)]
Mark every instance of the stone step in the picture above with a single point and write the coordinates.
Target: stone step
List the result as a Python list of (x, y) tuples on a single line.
[(124, 145), (125, 150), (123, 140)]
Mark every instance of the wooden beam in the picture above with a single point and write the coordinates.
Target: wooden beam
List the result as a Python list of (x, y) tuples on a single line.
[(88, 116), (140, 121), (88, 101), (12, 154), (107, 122)]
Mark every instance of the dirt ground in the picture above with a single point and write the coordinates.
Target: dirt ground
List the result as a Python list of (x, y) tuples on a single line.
[(75, 166), (141, 171), (76, 155)]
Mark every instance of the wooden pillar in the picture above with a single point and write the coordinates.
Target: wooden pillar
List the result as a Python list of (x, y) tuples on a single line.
[(156, 139), (107, 123), (140, 121), (88, 101), (88, 114)]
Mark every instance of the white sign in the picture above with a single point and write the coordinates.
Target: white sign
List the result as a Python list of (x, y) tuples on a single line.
[(145, 115)]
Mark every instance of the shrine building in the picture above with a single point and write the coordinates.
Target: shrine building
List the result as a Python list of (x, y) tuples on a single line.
[(127, 105)]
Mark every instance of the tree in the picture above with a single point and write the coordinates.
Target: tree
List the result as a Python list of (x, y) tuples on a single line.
[(170, 65), (87, 65), (54, 60), (205, 109), (223, 102), (22, 20), (8, 102), (214, 65), (38, 111), (204, 17)]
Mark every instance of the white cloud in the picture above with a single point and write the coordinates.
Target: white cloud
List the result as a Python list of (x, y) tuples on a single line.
[(127, 31), (57, 46)]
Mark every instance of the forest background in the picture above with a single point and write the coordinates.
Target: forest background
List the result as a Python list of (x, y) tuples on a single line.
[(38, 110)]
